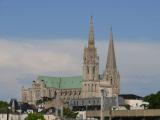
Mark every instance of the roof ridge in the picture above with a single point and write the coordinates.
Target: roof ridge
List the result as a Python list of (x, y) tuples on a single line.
[(59, 76)]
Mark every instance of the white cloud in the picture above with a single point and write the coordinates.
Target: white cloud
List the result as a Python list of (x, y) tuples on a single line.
[(22, 61)]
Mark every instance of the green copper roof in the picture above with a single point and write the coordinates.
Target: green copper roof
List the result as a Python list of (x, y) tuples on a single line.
[(62, 82)]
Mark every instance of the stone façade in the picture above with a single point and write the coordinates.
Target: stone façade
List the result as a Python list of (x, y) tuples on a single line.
[(85, 86)]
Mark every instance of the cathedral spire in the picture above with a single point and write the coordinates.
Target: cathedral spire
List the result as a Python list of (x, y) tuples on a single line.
[(91, 34), (111, 59)]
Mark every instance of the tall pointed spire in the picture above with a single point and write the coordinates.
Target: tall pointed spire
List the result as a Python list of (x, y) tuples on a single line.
[(111, 59), (91, 34)]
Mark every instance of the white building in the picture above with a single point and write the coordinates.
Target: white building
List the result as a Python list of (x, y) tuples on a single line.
[(135, 102), (13, 116)]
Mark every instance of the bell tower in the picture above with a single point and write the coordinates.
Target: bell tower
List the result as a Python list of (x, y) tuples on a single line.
[(90, 58), (111, 74), (90, 65)]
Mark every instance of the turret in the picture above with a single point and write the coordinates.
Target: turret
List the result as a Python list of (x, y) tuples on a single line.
[(91, 34)]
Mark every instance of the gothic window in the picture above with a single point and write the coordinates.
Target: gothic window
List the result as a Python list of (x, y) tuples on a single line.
[(92, 88), (84, 59), (37, 94), (88, 70), (82, 102), (65, 93), (93, 70), (50, 93), (88, 88), (55, 93)]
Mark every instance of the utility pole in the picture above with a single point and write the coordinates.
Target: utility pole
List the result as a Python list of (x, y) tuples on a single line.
[(8, 112), (110, 113), (102, 96)]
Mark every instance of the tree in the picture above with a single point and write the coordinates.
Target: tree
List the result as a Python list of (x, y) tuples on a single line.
[(154, 100), (35, 116), (43, 100), (68, 113), (3, 104)]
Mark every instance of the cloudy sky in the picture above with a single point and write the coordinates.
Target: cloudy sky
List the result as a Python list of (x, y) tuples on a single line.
[(48, 37)]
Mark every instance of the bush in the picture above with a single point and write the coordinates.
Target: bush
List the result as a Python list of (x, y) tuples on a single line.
[(68, 113), (35, 116)]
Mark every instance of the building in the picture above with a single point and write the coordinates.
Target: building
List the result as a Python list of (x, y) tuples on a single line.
[(91, 104), (53, 87), (85, 86), (92, 82), (134, 101)]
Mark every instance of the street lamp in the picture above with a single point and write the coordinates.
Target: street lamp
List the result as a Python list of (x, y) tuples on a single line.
[(8, 110), (19, 116), (102, 96), (117, 102)]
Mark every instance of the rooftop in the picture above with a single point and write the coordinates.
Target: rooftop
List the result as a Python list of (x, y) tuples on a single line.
[(131, 96), (62, 82)]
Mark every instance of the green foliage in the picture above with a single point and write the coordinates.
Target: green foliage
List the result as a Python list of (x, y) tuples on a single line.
[(3, 104), (42, 100), (154, 100), (35, 116), (68, 113)]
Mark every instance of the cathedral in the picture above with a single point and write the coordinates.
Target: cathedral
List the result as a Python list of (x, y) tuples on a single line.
[(75, 87)]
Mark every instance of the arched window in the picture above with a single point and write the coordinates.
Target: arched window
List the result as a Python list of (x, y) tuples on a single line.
[(55, 93), (92, 89), (87, 69), (93, 70), (88, 87)]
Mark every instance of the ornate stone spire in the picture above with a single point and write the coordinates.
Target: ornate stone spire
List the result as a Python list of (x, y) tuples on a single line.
[(111, 60), (91, 34)]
